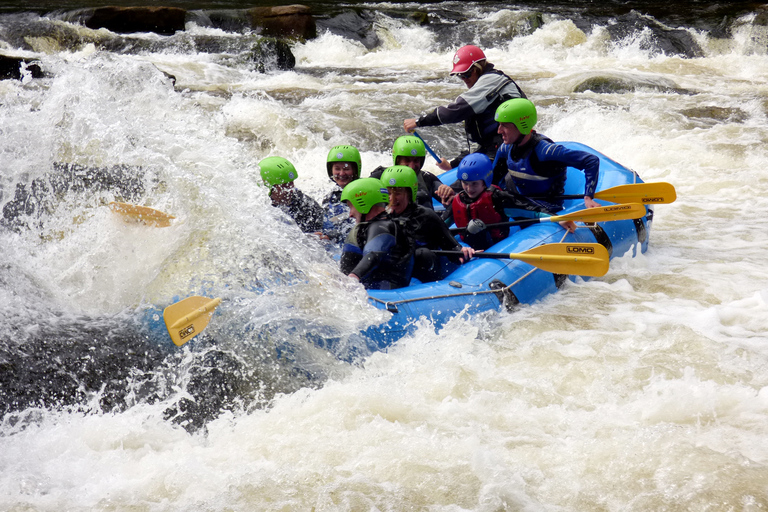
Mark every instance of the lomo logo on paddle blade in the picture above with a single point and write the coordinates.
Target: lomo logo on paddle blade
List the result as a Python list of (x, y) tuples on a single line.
[(653, 199), (576, 249), (618, 208), (187, 331)]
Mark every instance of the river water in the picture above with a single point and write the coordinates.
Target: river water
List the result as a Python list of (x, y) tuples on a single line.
[(646, 389)]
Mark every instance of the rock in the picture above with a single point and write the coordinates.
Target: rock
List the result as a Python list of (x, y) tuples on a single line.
[(618, 84), (272, 54), (285, 21), (14, 67), (125, 20)]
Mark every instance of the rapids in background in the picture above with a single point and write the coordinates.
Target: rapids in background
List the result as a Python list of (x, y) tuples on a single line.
[(646, 389)]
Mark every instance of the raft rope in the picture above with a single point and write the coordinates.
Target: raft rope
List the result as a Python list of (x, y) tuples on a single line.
[(388, 303)]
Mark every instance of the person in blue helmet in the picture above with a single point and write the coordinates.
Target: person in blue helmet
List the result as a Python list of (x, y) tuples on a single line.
[(343, 165), (534, 165), (480, 203), (378, 252)]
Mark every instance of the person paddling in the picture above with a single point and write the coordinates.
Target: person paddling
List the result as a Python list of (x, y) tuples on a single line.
[(410, 151), (532, 164), (343, 165), (488, 88), (481, 203), (427, 229), (278, 174), (377, 252)]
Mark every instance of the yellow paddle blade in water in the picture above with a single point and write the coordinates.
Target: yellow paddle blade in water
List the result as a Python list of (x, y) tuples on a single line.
[(143, 214), (187, 318)]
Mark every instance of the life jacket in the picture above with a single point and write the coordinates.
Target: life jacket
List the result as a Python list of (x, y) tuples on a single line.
[(481, 208), (531, 176), (481, 128)]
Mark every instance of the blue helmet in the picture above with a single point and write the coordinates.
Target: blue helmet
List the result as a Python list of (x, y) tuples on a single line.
[(476, 166)]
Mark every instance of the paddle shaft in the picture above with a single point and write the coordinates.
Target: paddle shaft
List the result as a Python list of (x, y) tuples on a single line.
[(600, 214), (429, 149)]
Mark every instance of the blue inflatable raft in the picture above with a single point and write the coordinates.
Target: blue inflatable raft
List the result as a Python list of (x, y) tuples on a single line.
[(488, 284)]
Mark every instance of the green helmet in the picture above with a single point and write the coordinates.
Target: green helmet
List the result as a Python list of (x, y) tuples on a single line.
[(364, 194), (519, 111), (408, 145), (276, 170), (400, 176), (344, 154)]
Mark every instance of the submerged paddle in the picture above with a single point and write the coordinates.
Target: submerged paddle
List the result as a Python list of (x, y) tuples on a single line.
[(601, 214), (429, 149), (645, 193), (144, 214), (187, 318), (575, 259)]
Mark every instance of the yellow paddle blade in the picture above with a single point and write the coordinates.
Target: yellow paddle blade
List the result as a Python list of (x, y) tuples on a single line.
[(603, 213), (565, 258), (187, 318), (143, 214), (645, 193)]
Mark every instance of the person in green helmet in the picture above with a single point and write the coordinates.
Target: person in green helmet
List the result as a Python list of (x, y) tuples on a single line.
[(532, 165), (377, 252), (423, 225), (343, 165), (278, 174), (409, 150)]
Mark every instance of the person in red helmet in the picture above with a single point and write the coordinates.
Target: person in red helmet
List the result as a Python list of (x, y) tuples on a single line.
[(488, 88)]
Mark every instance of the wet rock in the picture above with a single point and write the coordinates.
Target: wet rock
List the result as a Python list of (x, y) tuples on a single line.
[(15, 68), (271, 54), (662, 39), (41, 196), (286, 21), (716, 114), (352, 25), (618, 84), (126, 20)]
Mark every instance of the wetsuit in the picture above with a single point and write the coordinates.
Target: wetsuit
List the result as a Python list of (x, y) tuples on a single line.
[(429, 232), (380, 253), (428, 185), (336, 220), (477, 108), (539, 169), (493, 205), (304, 210)]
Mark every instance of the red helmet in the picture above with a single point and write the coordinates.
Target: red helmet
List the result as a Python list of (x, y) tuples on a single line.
[(465, 57)]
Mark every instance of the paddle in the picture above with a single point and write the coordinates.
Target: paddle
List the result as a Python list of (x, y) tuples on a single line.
[(601, 214), (144, 214), (575, 259), (187, 318), (645, 193), (429, 149)]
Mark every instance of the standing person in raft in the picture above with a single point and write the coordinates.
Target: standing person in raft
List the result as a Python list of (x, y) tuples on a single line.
[(278, 174), (343, 165), (424, 226), (378, 252), (532, 164), (480, 203), (410, 151), (488, 88)]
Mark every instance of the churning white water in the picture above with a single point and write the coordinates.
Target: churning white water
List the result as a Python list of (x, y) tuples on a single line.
[(646, 389)]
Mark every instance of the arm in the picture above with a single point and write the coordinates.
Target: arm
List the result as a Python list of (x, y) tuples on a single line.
[(581, 160), (380, 243)]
